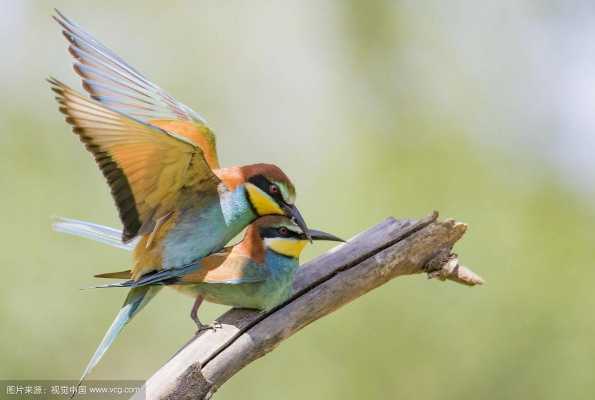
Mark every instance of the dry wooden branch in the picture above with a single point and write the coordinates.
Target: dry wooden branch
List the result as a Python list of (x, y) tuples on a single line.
[(372, 258)]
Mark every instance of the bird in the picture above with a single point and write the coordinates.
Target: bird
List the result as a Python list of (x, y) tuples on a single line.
[(160, 161), (255, 273)]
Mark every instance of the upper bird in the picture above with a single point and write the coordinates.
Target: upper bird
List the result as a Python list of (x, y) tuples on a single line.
[(160, 161)]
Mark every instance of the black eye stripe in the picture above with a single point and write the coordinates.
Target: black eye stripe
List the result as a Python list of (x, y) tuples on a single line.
[(271, 232), (264, 184)]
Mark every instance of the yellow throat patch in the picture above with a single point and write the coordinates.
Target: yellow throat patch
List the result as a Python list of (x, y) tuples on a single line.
[(262, 202), (285, 246)]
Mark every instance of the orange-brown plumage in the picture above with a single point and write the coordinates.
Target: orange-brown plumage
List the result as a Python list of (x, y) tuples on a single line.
[(195, 131), (232, 177), (251, 245), (148, 258)]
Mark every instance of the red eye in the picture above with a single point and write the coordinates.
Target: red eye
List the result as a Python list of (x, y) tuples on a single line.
[(273, 189), (283, 231)]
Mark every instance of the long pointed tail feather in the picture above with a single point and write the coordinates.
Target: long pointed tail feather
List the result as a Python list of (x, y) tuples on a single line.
[(112, 237), (137, 298), (115, 275), (109, 285), (99, 233)]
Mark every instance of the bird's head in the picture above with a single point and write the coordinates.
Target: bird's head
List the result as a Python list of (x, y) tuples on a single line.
[(271, 192), (283, 236)]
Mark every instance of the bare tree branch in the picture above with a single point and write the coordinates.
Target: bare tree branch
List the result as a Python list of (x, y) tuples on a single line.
[(372, 258)]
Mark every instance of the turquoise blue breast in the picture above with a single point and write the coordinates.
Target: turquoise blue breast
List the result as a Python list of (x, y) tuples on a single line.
[(264, 295), (207, 226), (279, 285)]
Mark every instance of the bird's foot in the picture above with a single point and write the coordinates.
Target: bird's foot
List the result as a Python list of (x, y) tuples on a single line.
[(204, 327)]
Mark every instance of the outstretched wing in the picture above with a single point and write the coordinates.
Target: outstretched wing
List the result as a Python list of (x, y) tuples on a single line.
[(145, 166), (113, 82)]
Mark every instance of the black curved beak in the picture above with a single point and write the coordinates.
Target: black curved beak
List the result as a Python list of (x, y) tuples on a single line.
[(292, 212), (320, 235)]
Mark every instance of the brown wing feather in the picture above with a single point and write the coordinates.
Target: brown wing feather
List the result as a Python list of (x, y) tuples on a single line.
[(195, 131), (145, 166), (116, 84)]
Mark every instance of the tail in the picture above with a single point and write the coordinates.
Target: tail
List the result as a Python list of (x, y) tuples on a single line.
[(89, 230), (112, 237), (111, 285), (137, 298), (115, 275)]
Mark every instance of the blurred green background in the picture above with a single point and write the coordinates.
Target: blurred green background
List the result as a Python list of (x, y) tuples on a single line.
[(483, 111)]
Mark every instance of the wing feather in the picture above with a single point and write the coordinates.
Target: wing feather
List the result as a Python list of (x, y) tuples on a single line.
[(113, 82), (145, 166)]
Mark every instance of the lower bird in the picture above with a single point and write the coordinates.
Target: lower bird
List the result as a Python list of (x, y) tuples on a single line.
[(255, 273)]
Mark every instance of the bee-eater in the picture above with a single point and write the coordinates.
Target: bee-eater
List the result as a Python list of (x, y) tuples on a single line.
[(256, 273)]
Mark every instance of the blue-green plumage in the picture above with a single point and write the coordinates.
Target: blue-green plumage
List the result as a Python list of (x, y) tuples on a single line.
[(136, 299), (261, 286), (205, 228)]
